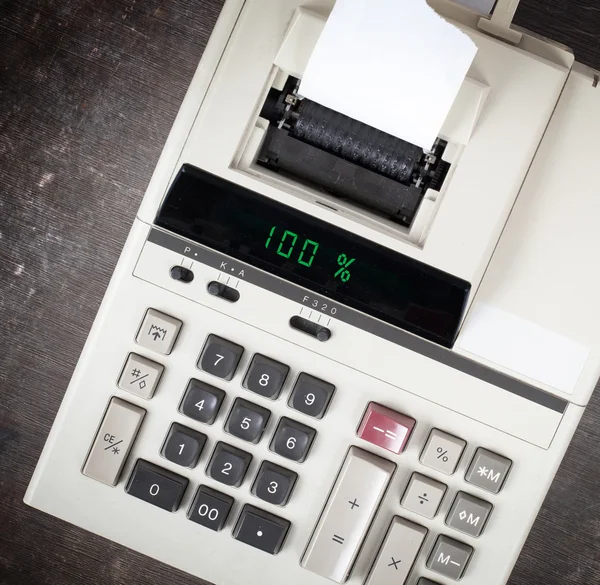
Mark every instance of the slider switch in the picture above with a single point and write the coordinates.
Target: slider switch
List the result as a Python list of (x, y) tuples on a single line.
[(181, 274), (310, 328), (218, 289)]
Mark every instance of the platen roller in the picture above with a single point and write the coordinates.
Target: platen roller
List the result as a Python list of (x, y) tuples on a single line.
[(347, 158)]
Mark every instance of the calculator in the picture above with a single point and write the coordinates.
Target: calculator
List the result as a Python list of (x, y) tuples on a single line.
[(284, 386)]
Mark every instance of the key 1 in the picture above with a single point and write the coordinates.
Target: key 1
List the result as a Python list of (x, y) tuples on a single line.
[(228, 464), (261, 530), (183, 446), (210, 508), (157, 486)]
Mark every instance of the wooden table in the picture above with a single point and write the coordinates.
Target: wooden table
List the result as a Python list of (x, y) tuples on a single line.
[(88, 92)]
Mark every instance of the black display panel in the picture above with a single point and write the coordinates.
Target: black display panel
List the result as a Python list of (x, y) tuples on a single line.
[(314, 254)]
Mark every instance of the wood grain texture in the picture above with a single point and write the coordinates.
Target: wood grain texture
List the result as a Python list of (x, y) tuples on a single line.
[(88, 92)]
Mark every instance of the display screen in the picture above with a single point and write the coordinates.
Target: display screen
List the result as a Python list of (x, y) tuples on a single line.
[(314, 254)]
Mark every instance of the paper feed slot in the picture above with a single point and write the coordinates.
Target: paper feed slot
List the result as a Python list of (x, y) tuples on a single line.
[(313, 148)]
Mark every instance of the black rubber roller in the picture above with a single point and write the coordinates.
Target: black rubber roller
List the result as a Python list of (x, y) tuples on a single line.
[(356, 142)]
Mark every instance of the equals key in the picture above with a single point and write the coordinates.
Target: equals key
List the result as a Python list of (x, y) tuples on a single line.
[(347, 516), (113, 441)]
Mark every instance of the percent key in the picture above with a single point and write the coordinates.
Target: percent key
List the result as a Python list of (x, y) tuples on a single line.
[(443, 452)]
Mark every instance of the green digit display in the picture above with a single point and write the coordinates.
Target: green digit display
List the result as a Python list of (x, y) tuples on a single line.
[(312, 253), (289, 239), (270, 236), (291, 248)]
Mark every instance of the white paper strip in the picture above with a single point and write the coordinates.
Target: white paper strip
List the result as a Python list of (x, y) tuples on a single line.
[(523, 347), (395, 65)]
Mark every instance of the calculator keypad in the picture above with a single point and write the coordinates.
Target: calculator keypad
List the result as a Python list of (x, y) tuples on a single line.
[(274, 484), (265, 376), (210, 508), (220, 357), (247, 421), (350, 507), (311, 396), (292, 440), (201, 402), (261, 530), (156, 485), (229, 464), (183, 446)]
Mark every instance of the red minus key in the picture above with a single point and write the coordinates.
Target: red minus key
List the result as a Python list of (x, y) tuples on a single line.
[(386, 428)]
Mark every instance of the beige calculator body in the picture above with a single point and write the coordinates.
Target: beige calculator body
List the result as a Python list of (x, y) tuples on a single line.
[(242, 425)]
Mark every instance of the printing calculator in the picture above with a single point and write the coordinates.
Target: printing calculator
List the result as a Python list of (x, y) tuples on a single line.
[(327, 354)]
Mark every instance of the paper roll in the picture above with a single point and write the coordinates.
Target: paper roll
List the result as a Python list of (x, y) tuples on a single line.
[(395, 65)]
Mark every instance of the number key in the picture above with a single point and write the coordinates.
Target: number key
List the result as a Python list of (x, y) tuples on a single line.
[(228, 464), (292, 440), (156, 485), (247, 421), (311, 395), (183, 446), (266, 376), (210, 508), (274, 484), (261, 529), (220, 357), (201, 402)]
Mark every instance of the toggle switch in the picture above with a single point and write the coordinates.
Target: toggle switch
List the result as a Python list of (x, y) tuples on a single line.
[(181, 274), (310, 328), (218, 289)]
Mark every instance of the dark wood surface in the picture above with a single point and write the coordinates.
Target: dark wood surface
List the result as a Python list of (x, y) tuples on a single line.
[(88, 92)]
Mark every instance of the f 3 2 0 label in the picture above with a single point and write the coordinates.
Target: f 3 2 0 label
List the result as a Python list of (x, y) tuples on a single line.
[(319, 305)]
